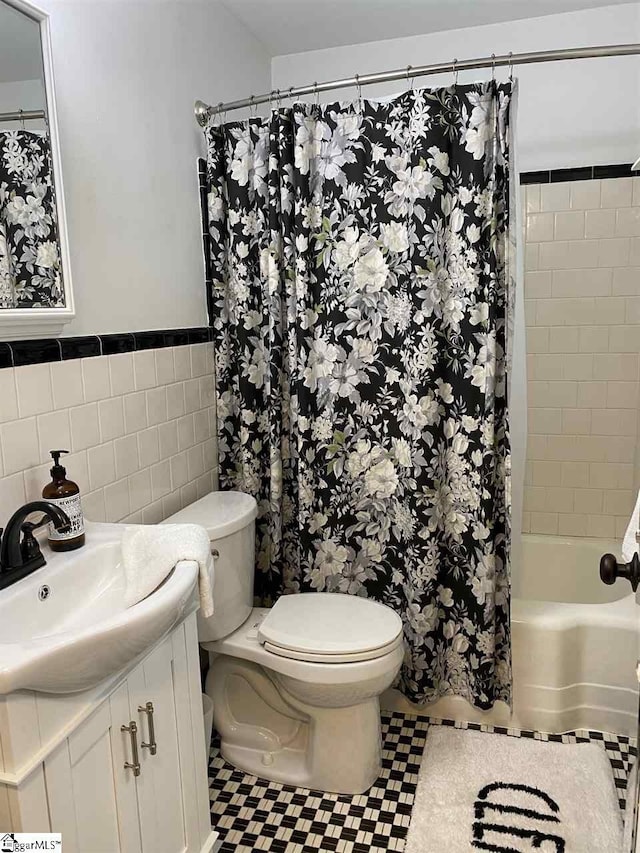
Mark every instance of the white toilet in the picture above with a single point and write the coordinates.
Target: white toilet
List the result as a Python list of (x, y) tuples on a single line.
[(295, 688)]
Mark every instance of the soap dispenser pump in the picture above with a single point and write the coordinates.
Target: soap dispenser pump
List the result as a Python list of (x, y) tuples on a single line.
[(65, 494)]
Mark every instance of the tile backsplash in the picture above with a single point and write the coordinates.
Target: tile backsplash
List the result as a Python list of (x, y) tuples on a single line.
[(140, 427), (582, 290)]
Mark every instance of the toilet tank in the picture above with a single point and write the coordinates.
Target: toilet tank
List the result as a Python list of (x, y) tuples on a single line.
[(229, 519)]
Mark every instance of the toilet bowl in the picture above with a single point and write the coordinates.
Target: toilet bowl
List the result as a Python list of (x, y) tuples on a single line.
[(309, 718), (295, 687)]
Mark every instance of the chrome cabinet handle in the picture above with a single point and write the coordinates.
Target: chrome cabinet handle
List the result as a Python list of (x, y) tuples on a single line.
[(134, 765), (152, 746)]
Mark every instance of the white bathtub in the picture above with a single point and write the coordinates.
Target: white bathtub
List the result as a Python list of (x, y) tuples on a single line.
[(575, 645)]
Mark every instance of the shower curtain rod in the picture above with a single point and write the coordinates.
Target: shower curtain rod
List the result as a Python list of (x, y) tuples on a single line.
[(22, 115), (205, 111)]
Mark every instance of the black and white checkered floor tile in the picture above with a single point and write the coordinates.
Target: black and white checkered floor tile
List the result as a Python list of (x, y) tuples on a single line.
[(253, 814)]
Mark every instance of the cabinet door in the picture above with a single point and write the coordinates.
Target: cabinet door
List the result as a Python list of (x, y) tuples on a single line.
[(92, 799), (124, 782), (161, 801), (193, 751), (97, 803)]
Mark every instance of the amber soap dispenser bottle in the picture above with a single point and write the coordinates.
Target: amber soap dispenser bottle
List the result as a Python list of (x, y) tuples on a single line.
[(65, 494)]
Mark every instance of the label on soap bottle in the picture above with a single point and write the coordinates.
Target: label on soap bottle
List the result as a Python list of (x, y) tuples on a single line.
[(72, 506)]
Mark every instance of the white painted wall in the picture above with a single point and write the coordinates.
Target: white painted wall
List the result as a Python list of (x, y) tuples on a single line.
[(569, 114), (127, 74)]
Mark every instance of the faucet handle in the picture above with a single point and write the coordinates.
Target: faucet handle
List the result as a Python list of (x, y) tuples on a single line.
[(29, 547)]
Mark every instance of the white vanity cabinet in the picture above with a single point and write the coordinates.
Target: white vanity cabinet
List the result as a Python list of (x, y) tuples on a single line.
[(109, 786)]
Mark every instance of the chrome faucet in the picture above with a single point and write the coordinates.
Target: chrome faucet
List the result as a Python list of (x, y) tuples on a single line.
[(21, 556)]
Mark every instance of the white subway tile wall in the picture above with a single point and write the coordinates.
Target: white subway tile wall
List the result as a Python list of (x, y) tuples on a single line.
[(582, 308), (138, 452)]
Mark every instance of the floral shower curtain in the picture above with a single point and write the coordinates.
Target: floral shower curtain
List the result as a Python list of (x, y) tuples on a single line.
[(30, 268), (362, 299)]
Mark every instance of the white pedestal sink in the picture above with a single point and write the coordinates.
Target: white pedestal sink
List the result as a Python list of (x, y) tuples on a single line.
[(65, 627)]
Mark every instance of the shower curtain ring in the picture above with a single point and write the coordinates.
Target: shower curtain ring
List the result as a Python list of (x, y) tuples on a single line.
[(410, 83), (511, 66), (253, 108), (493, 67), (20, 113), (316, 93), (359, 89), (290, 95), (455, 71)]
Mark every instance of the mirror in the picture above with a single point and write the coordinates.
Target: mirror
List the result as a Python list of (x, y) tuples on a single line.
[(35, 282)]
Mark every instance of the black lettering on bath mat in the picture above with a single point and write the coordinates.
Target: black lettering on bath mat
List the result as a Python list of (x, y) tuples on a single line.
[(548, 813)]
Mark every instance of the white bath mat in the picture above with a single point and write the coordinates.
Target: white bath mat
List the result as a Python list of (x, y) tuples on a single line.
[(480, 791)]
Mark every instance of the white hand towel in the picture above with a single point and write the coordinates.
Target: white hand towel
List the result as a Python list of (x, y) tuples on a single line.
[(150, 553), (629, 544)]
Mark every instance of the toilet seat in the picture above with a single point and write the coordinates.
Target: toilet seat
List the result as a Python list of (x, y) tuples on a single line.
[(244, 643), (329, 628), (310, 657)]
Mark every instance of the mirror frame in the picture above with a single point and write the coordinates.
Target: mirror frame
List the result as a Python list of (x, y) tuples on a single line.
[(20, 323)]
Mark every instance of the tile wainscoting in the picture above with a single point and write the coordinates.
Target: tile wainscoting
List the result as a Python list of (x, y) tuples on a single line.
[(582, 291), (140, 423)]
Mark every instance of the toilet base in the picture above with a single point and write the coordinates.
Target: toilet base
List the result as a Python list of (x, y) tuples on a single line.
[(267, 732)]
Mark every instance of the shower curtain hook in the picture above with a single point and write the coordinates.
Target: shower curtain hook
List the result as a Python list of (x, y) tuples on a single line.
[(410, 83), (359, 88), (493, 67), (316, 93), (511, 66), (455, 71), (290, 95), (21, 118), (253, 108)]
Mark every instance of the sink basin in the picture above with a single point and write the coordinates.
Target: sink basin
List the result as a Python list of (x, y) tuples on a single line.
[(78, 631)]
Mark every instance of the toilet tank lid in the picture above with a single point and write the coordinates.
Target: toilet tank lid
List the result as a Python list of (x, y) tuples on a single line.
[(220, 513)]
